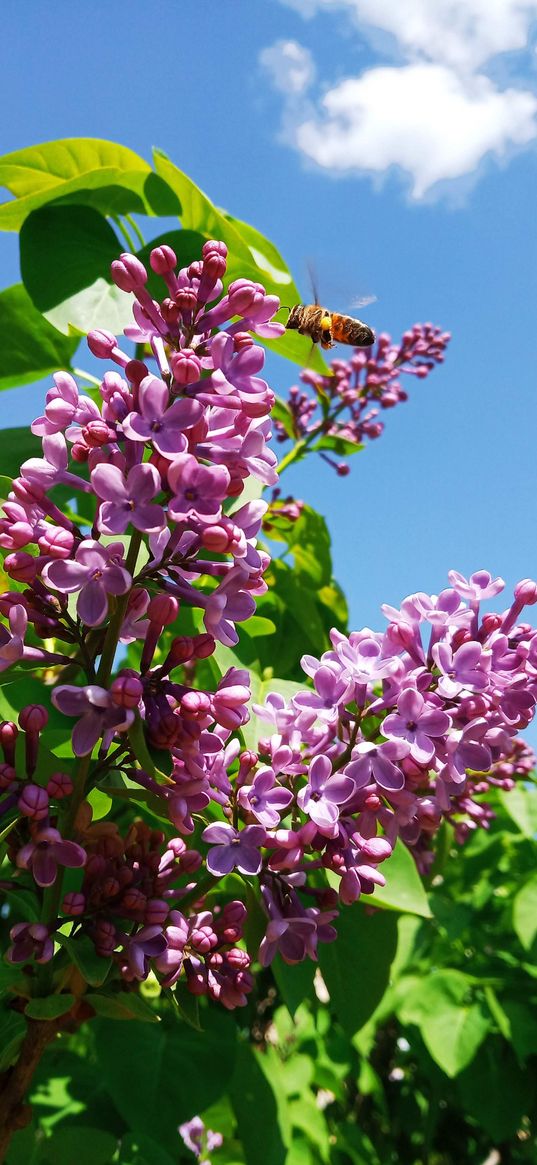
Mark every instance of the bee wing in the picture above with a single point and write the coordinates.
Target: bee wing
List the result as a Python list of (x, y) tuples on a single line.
[(312, 274), (363, 301)]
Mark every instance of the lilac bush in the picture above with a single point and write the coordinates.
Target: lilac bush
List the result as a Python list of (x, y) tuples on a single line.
[(397, 730)]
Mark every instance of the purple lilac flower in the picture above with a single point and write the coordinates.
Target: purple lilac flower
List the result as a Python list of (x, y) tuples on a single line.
[(99, 716), (324, 794), (234, 849), (97, 571), (147, 943), (30, 941), (156, 422), (46, 852), (264, 798), (198, 489), (463, 669), (418, 723), (480, 586), (12, 641), (375, 762), (127, 501)]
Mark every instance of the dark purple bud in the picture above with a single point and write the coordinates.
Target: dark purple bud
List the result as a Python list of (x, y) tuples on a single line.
[(163, 610), (134, 901), (216, 246), (33, 718), (33, 802), (186, 299), (60, 785), (7, 776), (136, 371), (74, 904), (126, 691), (170, 312), (8, 739), (97, 433), (156, 912)]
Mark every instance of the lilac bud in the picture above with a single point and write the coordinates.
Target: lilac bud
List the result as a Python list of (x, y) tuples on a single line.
[(156, 912), (33, 802), (186, 366), (8, 739), (126, 691), (33, 718), (97, 433), (214, 246), (134, 901), (21, 566), (163, 609), (128, 273), (526, 591), (197, 704), (163, 260), (136, 371), (59, 786), (56, 542), (170, 312), (74, 904), (101, 343), (186, 299), (7, 776)]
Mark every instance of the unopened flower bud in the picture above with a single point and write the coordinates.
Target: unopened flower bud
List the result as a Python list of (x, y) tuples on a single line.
[(126, 691), (186, 366), (21, 566), (33, 802), (33, 718), (101, 343), (128, 273), (7, 776), (163, 609), (136, 371), (56, 542), (526, 591), (156, 912), (163, 260), (73, 904), (59, 786), (8, 739)]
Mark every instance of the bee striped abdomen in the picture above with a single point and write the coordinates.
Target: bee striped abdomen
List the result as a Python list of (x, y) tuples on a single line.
[(324, 327)]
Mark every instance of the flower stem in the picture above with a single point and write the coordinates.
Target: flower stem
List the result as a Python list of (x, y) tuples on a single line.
[(114, 627)]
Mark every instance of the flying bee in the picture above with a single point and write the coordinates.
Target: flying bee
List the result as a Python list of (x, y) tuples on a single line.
[(326, 328)]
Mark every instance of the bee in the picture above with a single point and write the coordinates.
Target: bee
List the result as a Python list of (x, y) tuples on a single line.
[(326, 328)]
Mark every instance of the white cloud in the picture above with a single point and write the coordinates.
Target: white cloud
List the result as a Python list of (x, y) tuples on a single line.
[(461, 33), (434, 112), (421, 117), (290, 66)]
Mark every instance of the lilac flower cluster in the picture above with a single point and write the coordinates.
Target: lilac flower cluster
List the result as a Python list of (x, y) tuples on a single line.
[(345, 404), (396, 733)]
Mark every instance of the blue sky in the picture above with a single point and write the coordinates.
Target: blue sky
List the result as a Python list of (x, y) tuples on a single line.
[(399, 155)]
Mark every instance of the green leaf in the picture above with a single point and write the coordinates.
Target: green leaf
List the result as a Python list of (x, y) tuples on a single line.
[(12, 1033), (100, 803), (404, 889), (80, 1144), (122, 1005), (30, 349), (338, 445), (309, 542), (452, 1027), (93, 968), (49, 1007), (522, 1027), (66, 252), (520, 804), (525, 913), (356, 967), (295, 984), (108, 176), (496, 1091), (139, 1149), (256, 1110), (24, 902), (167, 1072)]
